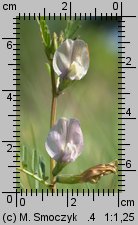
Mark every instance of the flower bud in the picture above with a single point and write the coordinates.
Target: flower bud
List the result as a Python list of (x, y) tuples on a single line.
[(61, 37), (55, 42)]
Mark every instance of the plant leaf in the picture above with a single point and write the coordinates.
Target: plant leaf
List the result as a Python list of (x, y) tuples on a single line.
[(71, 28), (42, 169), (36, 184), (34, 162), (24, 156), (45, 33)]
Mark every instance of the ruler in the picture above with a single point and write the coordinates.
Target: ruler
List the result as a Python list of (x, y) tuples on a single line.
[(68, 206)]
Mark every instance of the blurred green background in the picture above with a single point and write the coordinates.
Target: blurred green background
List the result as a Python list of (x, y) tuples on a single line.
[(92, 100)]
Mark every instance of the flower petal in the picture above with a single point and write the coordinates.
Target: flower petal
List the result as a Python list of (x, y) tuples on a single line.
[(80, 55), (74, 135), (56, 139), (62, 58), (76, 72), (70, 153), (53, 145)]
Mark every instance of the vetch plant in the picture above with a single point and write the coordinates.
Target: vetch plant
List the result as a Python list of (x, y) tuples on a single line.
[(68, 62)]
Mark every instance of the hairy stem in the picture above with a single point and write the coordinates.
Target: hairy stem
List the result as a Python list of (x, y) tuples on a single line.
[(52, 122), (34, 176)]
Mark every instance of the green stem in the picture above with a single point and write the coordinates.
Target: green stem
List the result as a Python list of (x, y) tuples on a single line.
[(52, 121), (34, 176)]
